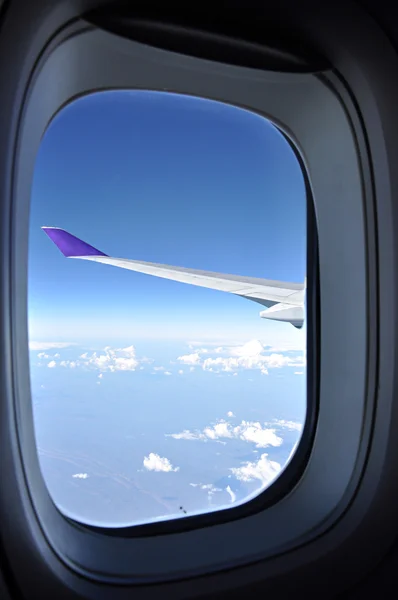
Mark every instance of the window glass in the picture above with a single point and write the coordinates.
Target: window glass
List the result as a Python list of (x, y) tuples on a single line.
[(155, 397)]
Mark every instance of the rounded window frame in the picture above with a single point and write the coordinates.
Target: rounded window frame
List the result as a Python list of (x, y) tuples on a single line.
[(122, 64)]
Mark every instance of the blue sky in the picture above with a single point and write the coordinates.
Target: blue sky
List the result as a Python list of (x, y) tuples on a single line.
[(161, 178), (149, 394)]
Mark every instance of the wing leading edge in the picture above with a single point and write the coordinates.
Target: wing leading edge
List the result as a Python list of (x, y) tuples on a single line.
[(284, 301)]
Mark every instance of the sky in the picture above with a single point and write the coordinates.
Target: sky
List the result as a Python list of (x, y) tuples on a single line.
[(169, 179), (152, 397)]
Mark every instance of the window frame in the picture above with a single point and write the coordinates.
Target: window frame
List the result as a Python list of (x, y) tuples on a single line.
[(276, 96)]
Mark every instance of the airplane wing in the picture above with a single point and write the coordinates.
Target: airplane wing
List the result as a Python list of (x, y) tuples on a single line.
[(264, 291)]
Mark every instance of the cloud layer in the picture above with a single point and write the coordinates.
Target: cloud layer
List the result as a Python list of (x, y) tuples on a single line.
[(262, 435), (252, 355), (109, 359), (213, 359)]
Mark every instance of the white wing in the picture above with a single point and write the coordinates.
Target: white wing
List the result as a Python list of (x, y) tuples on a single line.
[(264, 291)]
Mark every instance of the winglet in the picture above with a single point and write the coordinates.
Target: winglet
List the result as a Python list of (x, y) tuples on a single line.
[(69, 244)]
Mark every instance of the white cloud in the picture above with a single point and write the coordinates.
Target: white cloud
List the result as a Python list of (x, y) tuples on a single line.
[(49, 345), (187, 435), (80, 475), (252, 355), (253, 432), (100, 376), (282, 423), (230, 413), (110, 359), (145, 359), (298, 373), (221, 429), (51, 364), (252, 348), (190, 359), (264, 469), (43, 355), (162, 370), (231, 493), (181, 372), (154, 462), (248, 431), (207, 487)]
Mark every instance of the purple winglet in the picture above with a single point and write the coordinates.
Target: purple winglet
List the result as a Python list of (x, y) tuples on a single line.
[(69, 244)]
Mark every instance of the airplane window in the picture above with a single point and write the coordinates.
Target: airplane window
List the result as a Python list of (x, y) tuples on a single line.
[(167, 266)]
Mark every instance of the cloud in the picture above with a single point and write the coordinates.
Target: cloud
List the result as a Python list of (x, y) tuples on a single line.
[(110, 359), (230, 413), (162, 370), (208, 487), (107, 360), (80, 476), (181, 372), (264, 469), (253, 432), (51, 364), (187, 435), (72, 364), (251, 355), (231, 493), (248, 431), (154, 462), (49, 345), (298, 373), (291, 425), (190, 359), (252, 348), (145, 359)]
